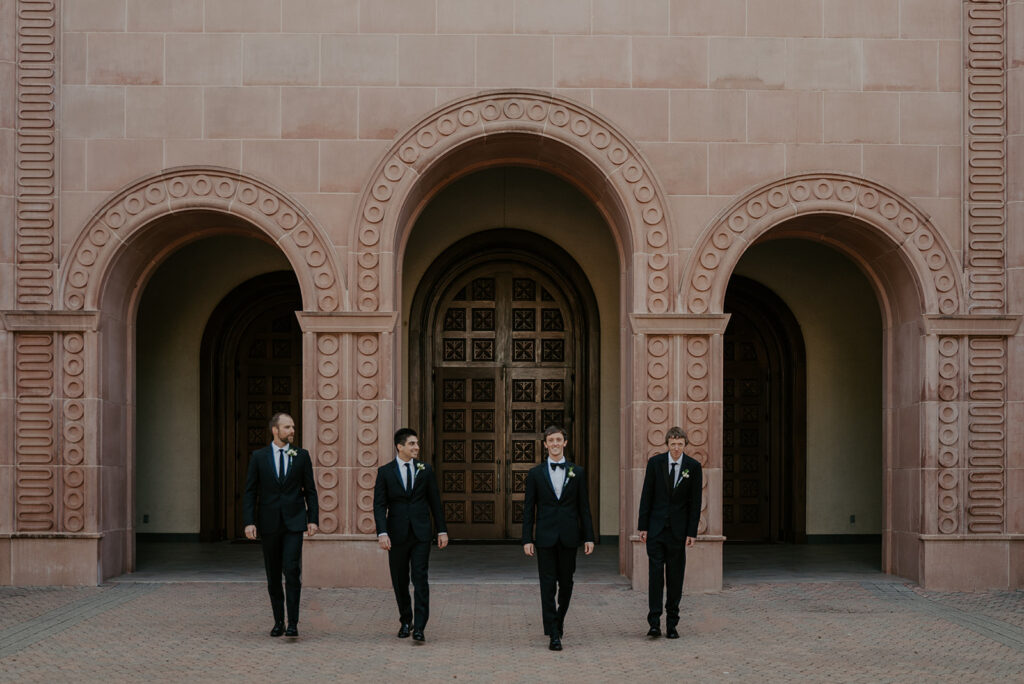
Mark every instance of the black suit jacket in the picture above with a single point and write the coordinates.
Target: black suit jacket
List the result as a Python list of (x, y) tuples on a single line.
[(400, 513), (564, 521), (662, 504), (290, 503)]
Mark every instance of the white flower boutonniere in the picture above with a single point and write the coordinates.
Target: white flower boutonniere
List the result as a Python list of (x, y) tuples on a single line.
[(685, 475), (292, 453), (419, 467), (570, 473)]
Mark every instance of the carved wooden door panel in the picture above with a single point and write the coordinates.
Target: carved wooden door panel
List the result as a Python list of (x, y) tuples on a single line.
[(502, 373), (746, 450), (268, 381)]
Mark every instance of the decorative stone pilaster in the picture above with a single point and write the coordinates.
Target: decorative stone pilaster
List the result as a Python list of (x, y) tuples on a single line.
[(349, 399), (675, 384)]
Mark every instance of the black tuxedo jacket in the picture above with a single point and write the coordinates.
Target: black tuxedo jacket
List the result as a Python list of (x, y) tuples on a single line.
[(400, 513), (662, 504), (564, 521), (290, 503)]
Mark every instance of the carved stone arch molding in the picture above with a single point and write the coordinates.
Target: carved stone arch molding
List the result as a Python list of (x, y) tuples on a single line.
[(186, 189), (923, 247), (631, 192)]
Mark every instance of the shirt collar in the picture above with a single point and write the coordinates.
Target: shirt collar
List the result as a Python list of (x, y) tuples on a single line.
[(671, 460)]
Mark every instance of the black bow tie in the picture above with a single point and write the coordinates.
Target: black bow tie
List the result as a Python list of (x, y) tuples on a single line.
[(557, 465)]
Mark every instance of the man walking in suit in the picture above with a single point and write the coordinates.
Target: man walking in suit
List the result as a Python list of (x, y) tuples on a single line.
[(404, 499), (669, 513), (281, 486), (556, 497)]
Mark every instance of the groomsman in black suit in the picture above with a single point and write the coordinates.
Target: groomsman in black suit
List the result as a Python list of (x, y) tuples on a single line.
[(280, 484), (556, 497), (405, 498), (669, 513)]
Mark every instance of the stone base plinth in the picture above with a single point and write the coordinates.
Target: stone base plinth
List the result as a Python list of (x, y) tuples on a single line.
[(703, 565), (50, 560), (344, 561), (971, 563)]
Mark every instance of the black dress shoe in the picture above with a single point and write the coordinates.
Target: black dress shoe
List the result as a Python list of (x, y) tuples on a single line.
[(654, 632), (417, 635), (278, 629), (671, 633), (556, 644), (403, 631), (292, 631)]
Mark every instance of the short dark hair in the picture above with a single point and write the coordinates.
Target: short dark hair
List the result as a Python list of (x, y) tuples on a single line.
[(676, 433), (276, 418), (403, 435), (552, 429)]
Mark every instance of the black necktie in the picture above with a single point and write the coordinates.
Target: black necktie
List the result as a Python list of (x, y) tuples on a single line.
[(672, 473), (556, 465), (408, 477), (280, 463)]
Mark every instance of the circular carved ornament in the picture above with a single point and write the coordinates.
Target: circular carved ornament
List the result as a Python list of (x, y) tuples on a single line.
[(521, 112), (212, 189), (906, 226)]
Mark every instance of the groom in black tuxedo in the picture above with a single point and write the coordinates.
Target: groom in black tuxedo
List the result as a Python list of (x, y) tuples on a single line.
[(669, 514), (405, 498), (281, 486), (556, 497)]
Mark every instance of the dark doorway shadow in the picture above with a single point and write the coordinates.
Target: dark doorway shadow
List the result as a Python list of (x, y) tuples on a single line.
[(764, 453), (251, 368)]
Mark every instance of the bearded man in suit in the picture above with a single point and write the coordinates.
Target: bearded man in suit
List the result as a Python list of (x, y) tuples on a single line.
[(405, 498), (280, 485), (668, 518), (556, 498)]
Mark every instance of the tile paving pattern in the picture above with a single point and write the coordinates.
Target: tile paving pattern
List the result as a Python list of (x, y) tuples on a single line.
[(820, 627)]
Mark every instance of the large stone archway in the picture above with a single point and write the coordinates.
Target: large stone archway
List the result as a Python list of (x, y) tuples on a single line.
[(557, 135), (944, 419), (74, 493)]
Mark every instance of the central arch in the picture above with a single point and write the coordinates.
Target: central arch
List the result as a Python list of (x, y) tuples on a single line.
[(556, 135)]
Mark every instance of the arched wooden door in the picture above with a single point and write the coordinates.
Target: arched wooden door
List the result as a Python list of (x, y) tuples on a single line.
[(506, 348), (764, 418), (252, 369)]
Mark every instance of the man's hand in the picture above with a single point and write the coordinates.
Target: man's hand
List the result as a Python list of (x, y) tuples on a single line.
[(588, 548), (384, 541), (691, 541), (250, 531), (528, 549), (311, 529), (442, 540), (643, 536)]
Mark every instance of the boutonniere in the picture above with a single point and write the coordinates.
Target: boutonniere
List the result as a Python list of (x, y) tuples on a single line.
[(685, 474), (419, 467), (570, 473), (292, 453)]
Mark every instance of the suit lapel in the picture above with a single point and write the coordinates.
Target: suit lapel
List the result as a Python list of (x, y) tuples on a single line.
[(666, 461), (545, 473)]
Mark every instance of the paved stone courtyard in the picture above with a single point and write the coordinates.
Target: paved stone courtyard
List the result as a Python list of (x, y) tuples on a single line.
[(844, 631)]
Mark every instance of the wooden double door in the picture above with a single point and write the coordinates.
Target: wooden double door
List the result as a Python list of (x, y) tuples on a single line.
[(506, 344), (764, 418)]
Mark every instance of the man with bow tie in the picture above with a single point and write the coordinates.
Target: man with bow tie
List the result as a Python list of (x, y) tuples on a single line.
[(405, 497), (281, 482), (669, 514), (556, 497)]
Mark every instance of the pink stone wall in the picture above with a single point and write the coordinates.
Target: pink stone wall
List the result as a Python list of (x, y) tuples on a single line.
[(307, 107)]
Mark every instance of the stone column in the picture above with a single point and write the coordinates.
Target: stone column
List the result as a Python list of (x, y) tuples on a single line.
[(677, 380), (967, 540), (348, 404)]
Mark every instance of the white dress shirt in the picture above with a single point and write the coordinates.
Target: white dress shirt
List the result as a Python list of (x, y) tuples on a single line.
[(679, 467), (278, 460), (558, 476), (401, 471)]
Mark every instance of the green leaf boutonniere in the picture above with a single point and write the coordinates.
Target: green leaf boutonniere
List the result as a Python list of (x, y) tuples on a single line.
[(570, 473), (292, 453), (419, 467), (685, 475)]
